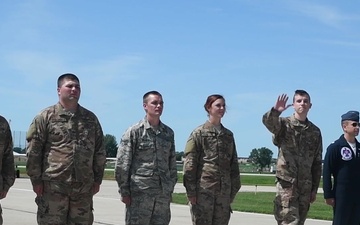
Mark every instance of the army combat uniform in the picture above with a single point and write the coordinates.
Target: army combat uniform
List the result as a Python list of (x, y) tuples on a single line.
[(298, 168), (66, 155), (7, 167), (146, 171), (211, 174)]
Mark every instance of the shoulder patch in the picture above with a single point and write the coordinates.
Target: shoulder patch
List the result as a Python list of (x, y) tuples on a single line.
[(346, 153), (31, 132), (190, 146)]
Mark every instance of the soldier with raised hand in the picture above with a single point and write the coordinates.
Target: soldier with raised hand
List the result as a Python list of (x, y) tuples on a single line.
[(298, 170), (66, 158), (7, 167), (145, 169), (341, 173)]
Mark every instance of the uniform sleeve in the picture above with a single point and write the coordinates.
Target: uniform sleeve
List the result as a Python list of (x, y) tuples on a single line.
[(36, 138), (123, 163), (317, 166), (272, 121), (99, 159), (172, 163), (235, 175), (328, 171), (8, 170), (192, 155)]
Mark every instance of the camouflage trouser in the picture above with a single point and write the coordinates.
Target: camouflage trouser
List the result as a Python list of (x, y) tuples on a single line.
[(65, 204), (1, 218), (291, 203), (148, 209), (211, 209)]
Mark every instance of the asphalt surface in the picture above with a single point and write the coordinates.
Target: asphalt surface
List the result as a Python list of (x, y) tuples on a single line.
[(19, 207)]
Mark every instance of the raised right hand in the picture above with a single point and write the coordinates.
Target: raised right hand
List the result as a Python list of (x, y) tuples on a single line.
[(280, 104)]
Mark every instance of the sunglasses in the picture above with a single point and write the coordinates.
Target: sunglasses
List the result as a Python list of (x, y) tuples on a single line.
[(355, 124)]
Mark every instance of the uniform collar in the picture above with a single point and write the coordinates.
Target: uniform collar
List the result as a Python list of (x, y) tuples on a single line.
[(147, 125), (298, 123), (63, 112)]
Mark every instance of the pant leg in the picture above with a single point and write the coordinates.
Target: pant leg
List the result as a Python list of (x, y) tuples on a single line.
[(221, 210), (140, 210), (1, 217), (91, 220), (53, 206), (304, 206), (202, 212), (286, 204), (356, 213), (161, 214), (80, 209), (346, 211)]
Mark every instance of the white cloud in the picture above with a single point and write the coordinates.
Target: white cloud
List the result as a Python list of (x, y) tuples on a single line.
[(35, 66), (330, 16), (342, 43), (123, 67)]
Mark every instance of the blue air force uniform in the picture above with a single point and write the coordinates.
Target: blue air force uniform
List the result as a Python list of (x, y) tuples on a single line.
[(343, 163)]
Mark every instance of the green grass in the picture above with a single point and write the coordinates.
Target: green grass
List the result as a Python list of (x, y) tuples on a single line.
[(245, 179), (262, 202), (257, 180), (248, 180)]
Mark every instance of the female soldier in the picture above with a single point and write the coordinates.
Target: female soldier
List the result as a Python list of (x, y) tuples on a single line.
[(211, 170)]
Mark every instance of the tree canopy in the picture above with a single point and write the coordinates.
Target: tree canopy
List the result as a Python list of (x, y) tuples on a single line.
[(261, 157), (111, 145), (179, 156)]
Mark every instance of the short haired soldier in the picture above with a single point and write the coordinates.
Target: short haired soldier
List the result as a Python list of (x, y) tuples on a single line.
[(145, 169), (66, 158), (341, 173), (298, 170), (7, 167)]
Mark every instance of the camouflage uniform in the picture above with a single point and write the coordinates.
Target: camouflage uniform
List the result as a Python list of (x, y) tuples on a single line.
[(7, 167), (211, 174), (66, 155), (298, 168), (146, 171)]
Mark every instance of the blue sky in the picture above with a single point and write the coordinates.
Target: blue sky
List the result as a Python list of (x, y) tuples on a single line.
[(248, 50)]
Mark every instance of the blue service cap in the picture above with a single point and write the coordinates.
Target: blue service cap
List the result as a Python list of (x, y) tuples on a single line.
[(351, 115)]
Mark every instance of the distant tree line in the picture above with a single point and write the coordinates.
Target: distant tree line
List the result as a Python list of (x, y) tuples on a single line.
[(19, 150), (260, 157), (110, 145)]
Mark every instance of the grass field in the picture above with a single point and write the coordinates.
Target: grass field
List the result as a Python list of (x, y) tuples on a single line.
[(259, 180), (262, 202)]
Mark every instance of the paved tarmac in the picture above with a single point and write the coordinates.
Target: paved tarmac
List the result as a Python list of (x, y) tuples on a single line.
[(19, 207)]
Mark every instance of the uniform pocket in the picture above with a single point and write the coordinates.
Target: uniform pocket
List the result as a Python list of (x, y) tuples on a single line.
[(284, 193)]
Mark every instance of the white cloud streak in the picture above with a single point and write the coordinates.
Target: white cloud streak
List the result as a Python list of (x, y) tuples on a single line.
[(324, 14)]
